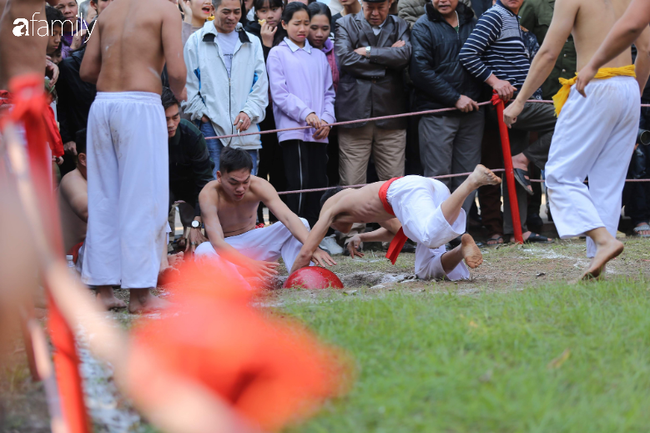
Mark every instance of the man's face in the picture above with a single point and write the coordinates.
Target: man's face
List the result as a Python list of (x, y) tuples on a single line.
[(235, 183), (376, 12), (445, 7), (54, 40), (173, 117), (69, 9), (100, 5), (513, 5), (227, 16)]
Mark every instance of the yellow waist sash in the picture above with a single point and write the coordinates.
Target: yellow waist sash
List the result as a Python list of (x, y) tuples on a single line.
[(561, 97)]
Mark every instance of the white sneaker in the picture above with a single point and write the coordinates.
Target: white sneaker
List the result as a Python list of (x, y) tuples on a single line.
[(330, 245)]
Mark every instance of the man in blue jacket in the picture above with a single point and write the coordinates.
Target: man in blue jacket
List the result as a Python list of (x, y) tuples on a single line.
[(450, 142)]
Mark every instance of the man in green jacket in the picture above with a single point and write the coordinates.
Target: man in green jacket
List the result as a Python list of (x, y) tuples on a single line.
[(536, 16)]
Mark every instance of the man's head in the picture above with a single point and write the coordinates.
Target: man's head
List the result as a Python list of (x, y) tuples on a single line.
[(80, 141), (445, 7), (100, 5), (55, 20), (172, 111), (512, 5), (86, 12), (234, 175), (227, 14), (69, 9), (376, 11)]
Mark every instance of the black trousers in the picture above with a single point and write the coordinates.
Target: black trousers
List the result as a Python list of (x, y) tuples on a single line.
[(305, 166)]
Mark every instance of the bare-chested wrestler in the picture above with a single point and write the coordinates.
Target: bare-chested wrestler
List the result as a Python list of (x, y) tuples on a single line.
[(229, 209), (595, 136), (127, 146), (412, 207)]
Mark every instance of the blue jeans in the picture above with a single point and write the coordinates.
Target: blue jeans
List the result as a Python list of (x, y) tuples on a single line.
[(215, 147)]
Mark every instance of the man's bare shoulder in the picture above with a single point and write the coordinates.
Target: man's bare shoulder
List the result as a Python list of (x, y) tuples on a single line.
[(262, 188), (210, 191), (72, 179)]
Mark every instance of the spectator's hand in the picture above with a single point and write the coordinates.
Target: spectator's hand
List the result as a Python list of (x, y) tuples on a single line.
[(187, 10), (504, 89), (466, 104), (268, 33), (313, 121), (51, 70), (321, 258), (361, 51), (58, 160), (194, 239), (322, 132), (510, 114), (242, 121), (78, 39), (398, 44), (584, 77), (353, 246), (205, 119), (70, 147)]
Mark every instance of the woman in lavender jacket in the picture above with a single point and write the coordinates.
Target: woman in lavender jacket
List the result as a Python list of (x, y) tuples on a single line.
[(301, 86)]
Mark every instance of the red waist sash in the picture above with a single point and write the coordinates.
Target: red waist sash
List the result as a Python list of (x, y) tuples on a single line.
[(400, 238)]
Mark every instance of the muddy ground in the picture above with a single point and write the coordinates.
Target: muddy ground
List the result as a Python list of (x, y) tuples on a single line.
[(506, 268)]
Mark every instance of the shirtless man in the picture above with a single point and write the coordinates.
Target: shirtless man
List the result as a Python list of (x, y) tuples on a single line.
[(127, 146), (229, 209), (595, 136), (409, 207)]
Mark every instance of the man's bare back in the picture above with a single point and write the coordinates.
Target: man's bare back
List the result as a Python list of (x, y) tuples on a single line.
[(358, 205), (129, 48)]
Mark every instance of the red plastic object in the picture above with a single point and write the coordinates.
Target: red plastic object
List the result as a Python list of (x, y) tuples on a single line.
[(313, 277), (510, 174)]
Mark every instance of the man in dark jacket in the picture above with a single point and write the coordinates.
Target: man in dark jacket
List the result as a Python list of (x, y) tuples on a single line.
[(450, 142), (190, 168), (372, 48)]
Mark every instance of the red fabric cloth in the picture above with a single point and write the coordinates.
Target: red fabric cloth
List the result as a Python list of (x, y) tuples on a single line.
[(400, 238), (74, 252)]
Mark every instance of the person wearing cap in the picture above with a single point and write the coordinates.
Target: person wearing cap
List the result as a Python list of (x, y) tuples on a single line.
[(373, 48)]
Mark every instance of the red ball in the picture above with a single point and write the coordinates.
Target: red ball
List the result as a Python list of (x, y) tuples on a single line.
[(313, 277)]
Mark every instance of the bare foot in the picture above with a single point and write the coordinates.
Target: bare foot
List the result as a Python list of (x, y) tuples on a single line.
[(471, 253), (106, 296), (604, 253), (142, 302), (483, 176)]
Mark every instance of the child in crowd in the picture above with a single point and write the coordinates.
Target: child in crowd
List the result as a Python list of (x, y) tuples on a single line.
[(196, 13), (300, 79), (319, 37), (266, 24), (74, 28), (54, 19)]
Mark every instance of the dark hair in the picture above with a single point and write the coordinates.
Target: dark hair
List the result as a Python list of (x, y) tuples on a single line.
[(168, 98), (329, 194), (319, 8), (80, 141), (232, 159), (52, 15), (291, 9), (259, 4)]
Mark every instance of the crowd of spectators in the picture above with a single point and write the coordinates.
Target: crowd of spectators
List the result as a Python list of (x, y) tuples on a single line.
[(259, 65)]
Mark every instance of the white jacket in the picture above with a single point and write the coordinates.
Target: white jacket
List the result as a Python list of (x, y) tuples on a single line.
[(212, 93)]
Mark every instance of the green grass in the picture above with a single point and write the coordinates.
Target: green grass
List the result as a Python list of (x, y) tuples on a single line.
[(494, 362)]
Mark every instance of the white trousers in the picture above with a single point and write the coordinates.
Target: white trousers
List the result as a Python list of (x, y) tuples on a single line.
[(267, 243), (128, 190), (594, 138), (416, 202)]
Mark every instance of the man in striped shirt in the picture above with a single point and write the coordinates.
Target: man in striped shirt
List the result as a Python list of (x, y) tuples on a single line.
[(496, 54)]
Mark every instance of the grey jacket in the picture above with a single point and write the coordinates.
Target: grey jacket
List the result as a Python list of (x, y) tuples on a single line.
[(370, 87)]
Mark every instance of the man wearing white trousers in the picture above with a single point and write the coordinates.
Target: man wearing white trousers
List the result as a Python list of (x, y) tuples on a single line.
[(595, 135), (127, 148), (229, 210), (411, 207)]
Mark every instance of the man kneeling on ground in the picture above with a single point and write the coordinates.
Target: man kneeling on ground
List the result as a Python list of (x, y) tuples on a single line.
[(229, 210), (412, 207)]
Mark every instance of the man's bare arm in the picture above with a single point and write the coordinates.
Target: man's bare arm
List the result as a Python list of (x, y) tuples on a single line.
[(76, 194), (172, 29), (626, 30), (291, 221), (642, 63), (91, 64), (561, 26), (208, 199), (314, 239)]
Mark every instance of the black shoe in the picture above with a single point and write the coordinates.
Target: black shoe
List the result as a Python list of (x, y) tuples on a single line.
[(522, 178), (534, 223)]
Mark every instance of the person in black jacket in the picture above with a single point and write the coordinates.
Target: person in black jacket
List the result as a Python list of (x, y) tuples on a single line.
[(450, 142), (190, 168)]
